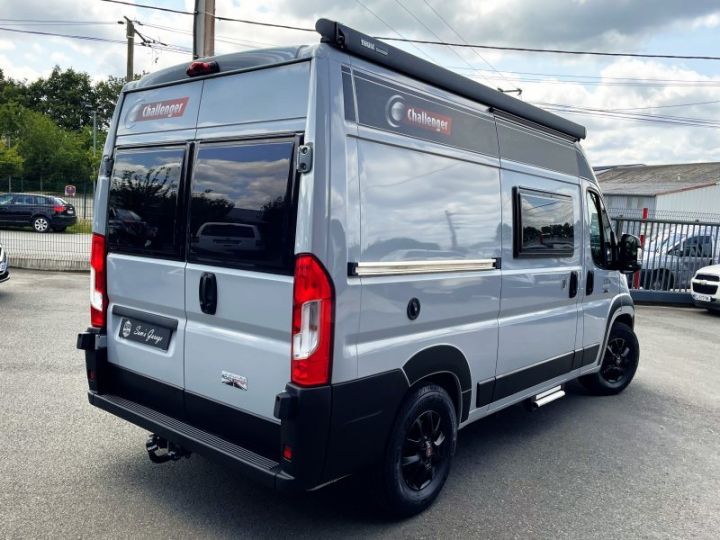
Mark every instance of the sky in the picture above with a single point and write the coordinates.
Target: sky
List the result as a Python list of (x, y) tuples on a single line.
[(627, 86)]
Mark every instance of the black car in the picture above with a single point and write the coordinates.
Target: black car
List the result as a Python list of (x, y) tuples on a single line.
[(4, 265), (42, 212)]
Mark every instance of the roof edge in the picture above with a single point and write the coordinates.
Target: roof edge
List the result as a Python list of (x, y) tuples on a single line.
[(358, 44)]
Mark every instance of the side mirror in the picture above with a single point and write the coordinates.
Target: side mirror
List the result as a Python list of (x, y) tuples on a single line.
[(627, 254)]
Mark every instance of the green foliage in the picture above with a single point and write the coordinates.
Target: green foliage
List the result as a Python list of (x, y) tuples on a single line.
[(11, 162), (46, 127)]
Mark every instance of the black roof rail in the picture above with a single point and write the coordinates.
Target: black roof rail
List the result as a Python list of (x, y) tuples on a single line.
[(379, 52)]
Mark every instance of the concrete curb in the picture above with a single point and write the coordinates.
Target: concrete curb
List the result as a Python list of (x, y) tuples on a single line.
[(58, 265)]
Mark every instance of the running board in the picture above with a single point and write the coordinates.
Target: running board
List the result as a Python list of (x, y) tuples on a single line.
[(546, 397)]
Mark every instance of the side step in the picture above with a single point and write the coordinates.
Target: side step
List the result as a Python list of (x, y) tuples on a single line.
[(546, 397)]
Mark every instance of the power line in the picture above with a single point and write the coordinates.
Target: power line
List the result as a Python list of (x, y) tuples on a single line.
[(39, 22), (554, 51), (145, 6), (477, 53), (440, 42), (434, 34), (171, 48), (391, 28), (692, 104)]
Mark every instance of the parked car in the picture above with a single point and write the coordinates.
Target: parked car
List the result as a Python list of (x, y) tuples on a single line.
[(4, 265), (670, 260), (433, 251), (706, 287), (41, 212)]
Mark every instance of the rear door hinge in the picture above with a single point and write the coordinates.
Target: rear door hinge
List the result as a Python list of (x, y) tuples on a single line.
[(304, 159)]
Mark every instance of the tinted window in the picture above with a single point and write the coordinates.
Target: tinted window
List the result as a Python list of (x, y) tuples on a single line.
[(544, 224), (240, 205), (600, 231), (420, 206), (143, 202)]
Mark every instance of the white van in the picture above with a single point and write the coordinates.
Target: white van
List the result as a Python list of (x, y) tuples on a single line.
[(429, 251)]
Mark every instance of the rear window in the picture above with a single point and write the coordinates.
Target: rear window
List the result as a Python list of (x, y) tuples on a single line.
[(143, 212), (241, 205)]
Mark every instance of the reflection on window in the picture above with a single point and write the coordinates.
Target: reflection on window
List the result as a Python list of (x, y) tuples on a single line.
[(143, 201), (240, 205), (420, 206), (546, 223)]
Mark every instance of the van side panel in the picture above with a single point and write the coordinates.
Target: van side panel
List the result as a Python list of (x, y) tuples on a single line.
[(423, 207)]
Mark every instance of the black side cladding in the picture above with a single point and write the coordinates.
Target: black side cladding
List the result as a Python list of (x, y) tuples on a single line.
[(369, 48)]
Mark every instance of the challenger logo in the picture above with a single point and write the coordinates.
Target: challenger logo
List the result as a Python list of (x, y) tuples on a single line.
[(157, 110), (399, 113)]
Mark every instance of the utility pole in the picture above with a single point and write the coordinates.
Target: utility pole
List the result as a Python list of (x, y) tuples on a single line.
[(130, 48), (204, 29)]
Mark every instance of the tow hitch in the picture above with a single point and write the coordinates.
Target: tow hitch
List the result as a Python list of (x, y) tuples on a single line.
[(161, 450)]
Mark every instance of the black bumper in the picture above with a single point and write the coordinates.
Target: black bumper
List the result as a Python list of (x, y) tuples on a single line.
[(4, 276), (63, 221), (331, 431)]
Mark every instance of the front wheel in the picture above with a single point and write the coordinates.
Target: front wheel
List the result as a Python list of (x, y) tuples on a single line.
[(619, 363), (41, 224), (418, 456)]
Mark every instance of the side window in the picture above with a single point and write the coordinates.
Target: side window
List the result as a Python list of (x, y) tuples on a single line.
[(143, 207), (544, 224), (241, 205), (600, 231)]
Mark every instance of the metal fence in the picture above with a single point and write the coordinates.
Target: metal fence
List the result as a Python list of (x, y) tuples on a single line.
[(672, 252), (63, 242)]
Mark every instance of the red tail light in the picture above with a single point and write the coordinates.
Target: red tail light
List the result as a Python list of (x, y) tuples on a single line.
[(58, 209), (312, 323), (98, 282)]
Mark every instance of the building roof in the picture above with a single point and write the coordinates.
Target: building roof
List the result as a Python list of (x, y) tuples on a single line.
[(652, 180)]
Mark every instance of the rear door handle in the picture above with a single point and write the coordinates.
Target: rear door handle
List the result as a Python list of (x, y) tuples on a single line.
[(208, 293), (590, 282), (573, 284)]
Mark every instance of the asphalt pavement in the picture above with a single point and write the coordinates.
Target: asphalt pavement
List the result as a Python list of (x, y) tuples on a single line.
[(644, 464)]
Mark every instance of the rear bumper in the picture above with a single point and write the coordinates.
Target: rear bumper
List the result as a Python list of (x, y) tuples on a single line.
[(253, 465), (331, 430), (63, 221)]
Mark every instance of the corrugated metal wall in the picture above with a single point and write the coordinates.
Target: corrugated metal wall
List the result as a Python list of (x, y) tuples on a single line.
[(629, 201), (705, 200)]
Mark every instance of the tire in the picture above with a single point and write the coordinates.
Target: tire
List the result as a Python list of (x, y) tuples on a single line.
[(419, 452), (41, 224), (619, 363)]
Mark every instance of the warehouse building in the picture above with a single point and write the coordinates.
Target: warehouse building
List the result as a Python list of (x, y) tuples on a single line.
[(681, 191)]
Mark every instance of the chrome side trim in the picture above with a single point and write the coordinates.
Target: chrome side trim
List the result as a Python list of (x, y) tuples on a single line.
[(363, 269)]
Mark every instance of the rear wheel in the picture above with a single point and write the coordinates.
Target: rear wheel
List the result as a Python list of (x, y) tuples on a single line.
[(40, 224), (418, 456), (619, 363)]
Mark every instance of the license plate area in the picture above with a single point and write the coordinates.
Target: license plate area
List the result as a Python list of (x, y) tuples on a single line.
[(145, 333), (701, 297)]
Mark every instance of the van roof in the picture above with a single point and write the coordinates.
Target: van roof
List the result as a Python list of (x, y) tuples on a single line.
[(368, 48)]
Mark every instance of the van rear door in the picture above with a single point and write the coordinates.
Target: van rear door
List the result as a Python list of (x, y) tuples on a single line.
[(239, 276), (145, 263)]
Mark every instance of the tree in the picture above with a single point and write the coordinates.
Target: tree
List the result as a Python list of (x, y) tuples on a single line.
[(11, 162), (66, 97), (105, 97)]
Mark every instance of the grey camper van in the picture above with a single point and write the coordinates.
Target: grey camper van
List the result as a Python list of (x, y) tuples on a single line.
[(426, 251)]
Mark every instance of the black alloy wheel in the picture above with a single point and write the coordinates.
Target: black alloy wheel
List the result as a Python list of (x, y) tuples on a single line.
[(419, 451), (619, 363)]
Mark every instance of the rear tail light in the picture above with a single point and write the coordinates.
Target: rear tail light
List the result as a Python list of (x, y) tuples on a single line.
[(312, 323), (98, 282), (58, 209)]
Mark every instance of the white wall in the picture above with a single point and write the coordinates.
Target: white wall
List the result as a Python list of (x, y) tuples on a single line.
[(706, 200)]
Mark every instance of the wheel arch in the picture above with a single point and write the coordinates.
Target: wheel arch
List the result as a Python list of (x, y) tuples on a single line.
[(446, 366)]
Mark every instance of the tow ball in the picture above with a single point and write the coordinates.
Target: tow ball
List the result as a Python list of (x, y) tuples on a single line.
[(161, 450)]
